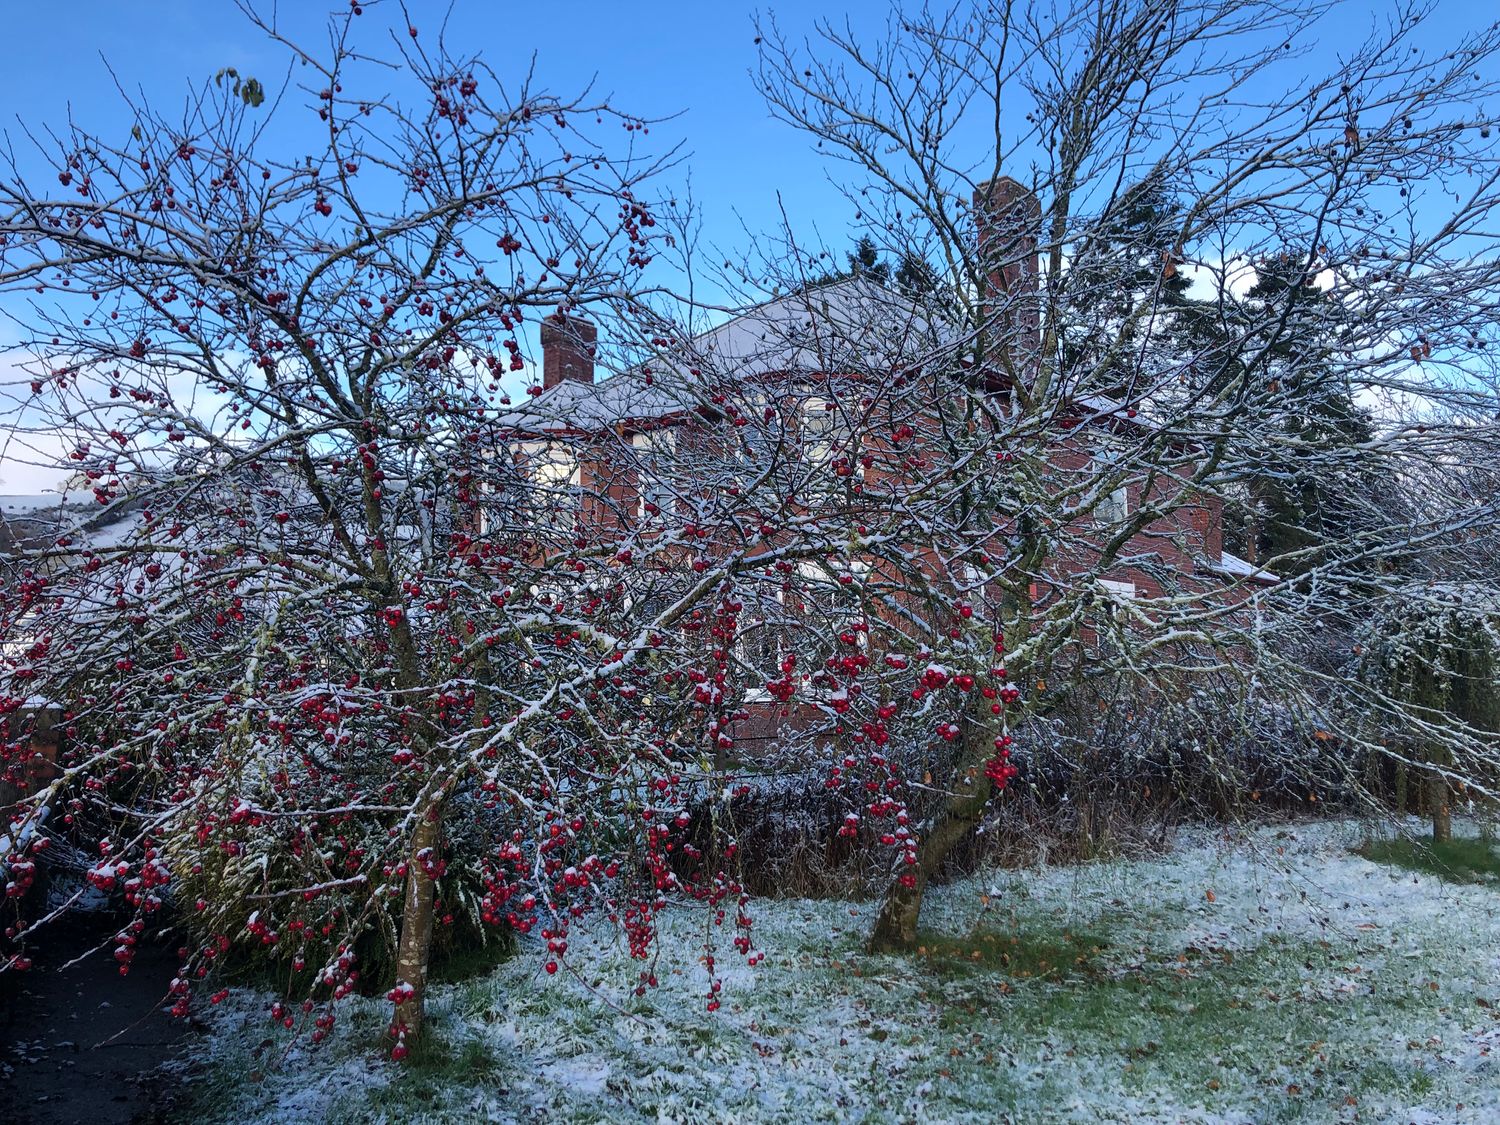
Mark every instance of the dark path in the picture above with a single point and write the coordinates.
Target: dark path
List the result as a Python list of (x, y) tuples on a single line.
[(76, 1045)]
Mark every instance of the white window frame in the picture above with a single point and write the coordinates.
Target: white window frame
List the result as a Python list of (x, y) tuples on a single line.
[(808, 570), (650, 488), (818, 440), (1114, 507), (974, 579), (556, 471)]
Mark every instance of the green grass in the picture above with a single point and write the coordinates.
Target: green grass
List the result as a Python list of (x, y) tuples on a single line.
[(459, 963), (1188, 1021), (1160, 990), (1024, 954), (1467, 860), (1215, 1027), (441, 1061)]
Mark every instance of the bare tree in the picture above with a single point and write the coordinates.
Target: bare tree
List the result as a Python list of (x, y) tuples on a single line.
[(1187, 295)]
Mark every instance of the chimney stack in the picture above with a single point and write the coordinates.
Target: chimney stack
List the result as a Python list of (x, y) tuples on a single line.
[(567, 350), (1008, 219)]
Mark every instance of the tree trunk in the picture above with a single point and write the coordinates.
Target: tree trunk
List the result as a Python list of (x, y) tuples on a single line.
[(415, 946), (1438, 800), (896, 926), (1085, 827)]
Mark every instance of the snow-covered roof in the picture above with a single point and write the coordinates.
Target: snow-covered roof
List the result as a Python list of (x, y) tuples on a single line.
[(29, 505), (1232, 566), (1099, 408), (848, 326), (571, 406), (851, 325)]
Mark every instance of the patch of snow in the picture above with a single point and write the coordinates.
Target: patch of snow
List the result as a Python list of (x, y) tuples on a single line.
[(1247, 975)]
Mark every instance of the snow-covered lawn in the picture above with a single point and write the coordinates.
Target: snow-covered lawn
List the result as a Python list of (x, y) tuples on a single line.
[(1269, 975)]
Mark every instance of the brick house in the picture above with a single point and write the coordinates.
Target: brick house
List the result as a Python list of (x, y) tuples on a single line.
[(569, 440)]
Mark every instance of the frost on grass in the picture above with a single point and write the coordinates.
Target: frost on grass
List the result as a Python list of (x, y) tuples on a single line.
[(1270, 975)]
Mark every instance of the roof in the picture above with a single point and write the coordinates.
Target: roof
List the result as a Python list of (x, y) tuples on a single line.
[(848, 326), (1232, 566), (571, 406)]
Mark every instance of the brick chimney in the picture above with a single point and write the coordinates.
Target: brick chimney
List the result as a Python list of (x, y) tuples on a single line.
[(1008, 219), (567, 349)]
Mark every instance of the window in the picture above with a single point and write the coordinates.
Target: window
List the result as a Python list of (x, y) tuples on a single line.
[(506, 499), (829, 445), (556, 483), (830, 607), (819, 421), (1111, 623), (760, 640), (758, 648), (1114, 505), (814, 618), (972, 580), (655, 453)]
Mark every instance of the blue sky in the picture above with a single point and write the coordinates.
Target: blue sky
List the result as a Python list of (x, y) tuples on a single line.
[(658, 59)]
